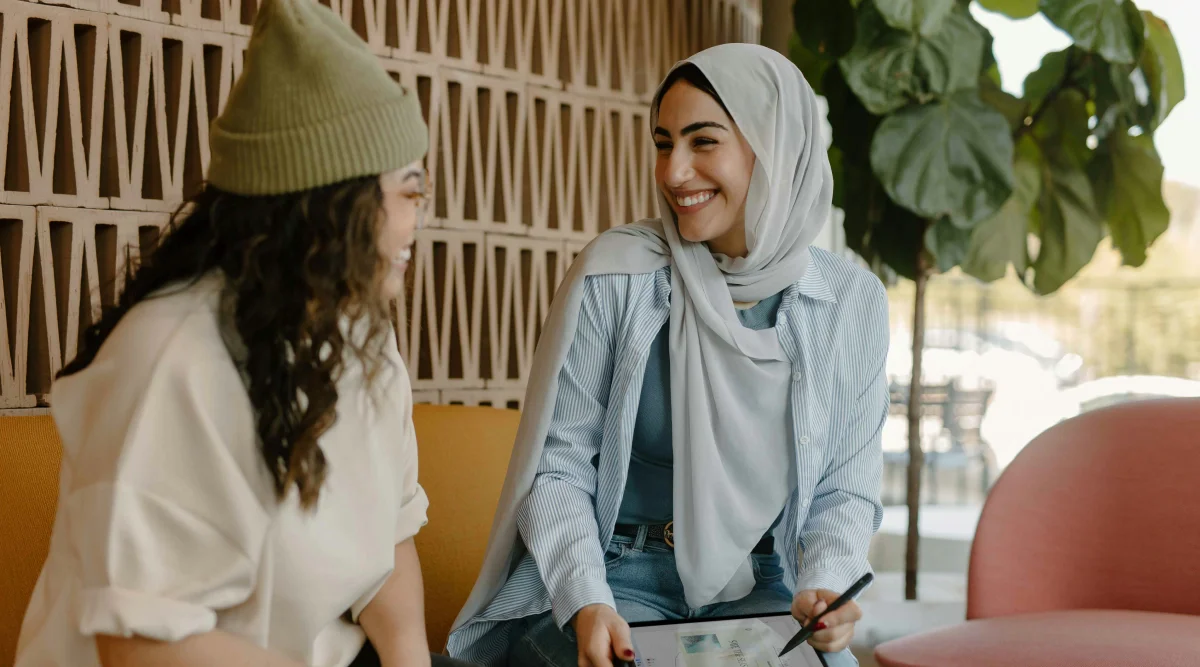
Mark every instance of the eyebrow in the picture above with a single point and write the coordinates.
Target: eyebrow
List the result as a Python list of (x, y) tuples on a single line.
[(412, 174), (694, 127)]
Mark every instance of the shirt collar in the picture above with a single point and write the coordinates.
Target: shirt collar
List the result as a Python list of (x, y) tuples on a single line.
[(814, 285)]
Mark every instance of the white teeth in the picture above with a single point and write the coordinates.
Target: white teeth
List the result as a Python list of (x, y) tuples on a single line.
[(402, 257), (694, 199)]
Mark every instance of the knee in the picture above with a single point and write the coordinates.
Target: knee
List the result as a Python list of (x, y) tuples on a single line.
[(544, 645)]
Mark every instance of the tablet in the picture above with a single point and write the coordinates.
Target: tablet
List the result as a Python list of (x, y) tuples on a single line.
[(731, 641)]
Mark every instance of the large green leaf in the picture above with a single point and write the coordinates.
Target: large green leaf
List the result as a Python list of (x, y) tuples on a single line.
[(1116, 99), (1110, 83), (920, 16), (1069, 228), (1062, 131), (1162, 67), (1047, 77), (888, 67), (1003, 238), (1127, 176), (879, 69), (1107, 27), (1065, 218), (952, 59), (1017, 9), (948, 243), (948, 158), (826, 27)]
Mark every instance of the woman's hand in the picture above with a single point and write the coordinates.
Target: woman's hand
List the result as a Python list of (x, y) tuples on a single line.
[(836, 628), (601, 633)]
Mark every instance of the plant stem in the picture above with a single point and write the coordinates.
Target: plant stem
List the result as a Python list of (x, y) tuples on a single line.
[(916, 457)]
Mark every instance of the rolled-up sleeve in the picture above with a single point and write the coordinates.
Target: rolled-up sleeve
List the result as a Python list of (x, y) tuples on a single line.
[(154, 569), (411, 514), (846, 510)]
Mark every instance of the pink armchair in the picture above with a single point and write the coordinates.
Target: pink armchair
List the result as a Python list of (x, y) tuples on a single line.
[(1087, 552)]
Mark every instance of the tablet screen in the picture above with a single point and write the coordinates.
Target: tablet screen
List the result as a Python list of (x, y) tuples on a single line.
[(744, 641)]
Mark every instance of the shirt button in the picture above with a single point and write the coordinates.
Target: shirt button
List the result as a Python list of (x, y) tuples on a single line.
[(797, 376), (804, 439), (781, 321), (804, 504)]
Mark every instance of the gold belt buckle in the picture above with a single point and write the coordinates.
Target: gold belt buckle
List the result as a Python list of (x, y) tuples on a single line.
[(669, 534)]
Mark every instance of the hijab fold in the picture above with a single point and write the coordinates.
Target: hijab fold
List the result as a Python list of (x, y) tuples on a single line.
[(730, 483)]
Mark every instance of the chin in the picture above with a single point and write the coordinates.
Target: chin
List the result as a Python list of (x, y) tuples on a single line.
[(694, 233), (392, 287)]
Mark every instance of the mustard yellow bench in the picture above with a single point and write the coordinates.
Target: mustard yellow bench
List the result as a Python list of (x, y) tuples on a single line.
[(464, 455)]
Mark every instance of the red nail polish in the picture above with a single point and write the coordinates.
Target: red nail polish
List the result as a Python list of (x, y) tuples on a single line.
[(628, 654), (821, 625)]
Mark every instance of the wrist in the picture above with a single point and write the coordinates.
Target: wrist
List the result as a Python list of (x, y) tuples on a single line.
[(405, 648), (409, 658), (585, 611)]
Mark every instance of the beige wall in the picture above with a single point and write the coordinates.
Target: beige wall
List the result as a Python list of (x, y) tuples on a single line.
[(538, 142), (777, 24)]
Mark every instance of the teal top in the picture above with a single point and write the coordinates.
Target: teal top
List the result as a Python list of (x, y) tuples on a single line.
[(649, 486)]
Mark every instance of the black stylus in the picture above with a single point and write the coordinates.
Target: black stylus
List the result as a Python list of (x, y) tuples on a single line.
[(808, 630)]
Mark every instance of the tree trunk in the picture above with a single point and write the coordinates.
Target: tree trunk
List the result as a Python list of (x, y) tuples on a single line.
[(916, 457)]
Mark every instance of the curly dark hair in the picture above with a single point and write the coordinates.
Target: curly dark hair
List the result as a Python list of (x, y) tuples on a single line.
[(294, 265)]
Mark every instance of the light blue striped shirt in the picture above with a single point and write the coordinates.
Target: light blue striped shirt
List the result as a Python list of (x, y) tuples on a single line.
[(833, 326)]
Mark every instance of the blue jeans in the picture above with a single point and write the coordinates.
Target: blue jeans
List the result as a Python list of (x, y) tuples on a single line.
[(646, 587)]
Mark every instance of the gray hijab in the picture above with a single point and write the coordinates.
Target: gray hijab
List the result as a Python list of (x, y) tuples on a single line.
[(729, 484)]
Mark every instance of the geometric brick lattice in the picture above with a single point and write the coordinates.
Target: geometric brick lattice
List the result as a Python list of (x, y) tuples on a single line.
[(538, 141)]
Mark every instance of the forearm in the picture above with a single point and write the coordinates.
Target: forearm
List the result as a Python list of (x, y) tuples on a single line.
[(394, 620), (844, 515), (558, 526), (215, 647)]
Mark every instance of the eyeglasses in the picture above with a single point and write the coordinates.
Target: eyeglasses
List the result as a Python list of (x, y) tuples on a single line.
[(422, 199)]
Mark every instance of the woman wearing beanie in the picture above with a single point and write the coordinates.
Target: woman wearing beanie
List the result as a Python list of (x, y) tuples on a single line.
[(239, 475)]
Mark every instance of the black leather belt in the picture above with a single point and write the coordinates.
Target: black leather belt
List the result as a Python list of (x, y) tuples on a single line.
[(666, 535)]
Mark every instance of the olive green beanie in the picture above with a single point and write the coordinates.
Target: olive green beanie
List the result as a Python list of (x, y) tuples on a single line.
[(312, 107)]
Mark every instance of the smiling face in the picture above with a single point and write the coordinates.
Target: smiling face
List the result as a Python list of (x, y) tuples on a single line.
[(703, 168), (404, 198)]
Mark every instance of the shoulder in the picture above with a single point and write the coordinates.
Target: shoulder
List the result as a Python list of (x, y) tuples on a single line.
[(860, 297), (614, 292), (171, 332), (849, 281), (859, 318), (613, 304), (617, 282), (166, 351)]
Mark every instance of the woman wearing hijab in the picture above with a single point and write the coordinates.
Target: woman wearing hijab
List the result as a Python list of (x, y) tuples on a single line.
[(239, 475), (706, 400)]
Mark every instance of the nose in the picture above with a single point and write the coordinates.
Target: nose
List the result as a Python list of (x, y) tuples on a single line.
[(679, 169)]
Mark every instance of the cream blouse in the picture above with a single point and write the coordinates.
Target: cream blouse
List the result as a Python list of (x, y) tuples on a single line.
[(168, 524)]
